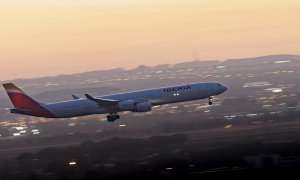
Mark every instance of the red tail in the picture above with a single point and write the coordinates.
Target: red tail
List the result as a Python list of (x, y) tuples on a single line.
[(21, 101)]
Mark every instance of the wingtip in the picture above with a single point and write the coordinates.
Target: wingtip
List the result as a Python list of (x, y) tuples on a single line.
[(88, 96)]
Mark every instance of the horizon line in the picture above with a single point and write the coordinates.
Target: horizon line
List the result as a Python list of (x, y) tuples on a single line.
[(153, 66)]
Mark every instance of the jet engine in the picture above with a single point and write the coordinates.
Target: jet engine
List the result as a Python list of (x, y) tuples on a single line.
[(134, 106), (128, 105), (143, 107)]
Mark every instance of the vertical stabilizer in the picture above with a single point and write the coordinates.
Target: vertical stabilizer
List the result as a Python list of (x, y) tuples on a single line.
[(22, 101)]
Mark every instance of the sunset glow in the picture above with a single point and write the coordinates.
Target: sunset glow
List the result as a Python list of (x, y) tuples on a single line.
[(50, 37)]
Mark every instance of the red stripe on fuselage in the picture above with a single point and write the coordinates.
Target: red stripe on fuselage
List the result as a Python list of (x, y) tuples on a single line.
[(22, 101)]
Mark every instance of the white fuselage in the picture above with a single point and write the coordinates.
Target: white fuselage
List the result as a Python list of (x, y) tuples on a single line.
[(159, 96)]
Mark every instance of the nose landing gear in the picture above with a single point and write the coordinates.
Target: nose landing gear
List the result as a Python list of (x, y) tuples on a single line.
[(210, 102)]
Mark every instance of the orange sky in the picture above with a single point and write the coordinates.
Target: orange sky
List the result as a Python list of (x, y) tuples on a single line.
[(50, 37)]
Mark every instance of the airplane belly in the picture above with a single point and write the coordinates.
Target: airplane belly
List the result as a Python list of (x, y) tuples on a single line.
[(69, 110)]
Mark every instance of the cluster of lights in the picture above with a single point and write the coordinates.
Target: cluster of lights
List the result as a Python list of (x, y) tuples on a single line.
[(275, 90), (35, 131), (21, 130)]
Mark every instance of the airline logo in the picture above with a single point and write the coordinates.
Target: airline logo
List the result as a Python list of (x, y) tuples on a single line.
[(178, 88)]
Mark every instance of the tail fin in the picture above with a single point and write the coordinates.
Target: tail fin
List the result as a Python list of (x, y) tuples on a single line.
[(19, 99), (23, 102)]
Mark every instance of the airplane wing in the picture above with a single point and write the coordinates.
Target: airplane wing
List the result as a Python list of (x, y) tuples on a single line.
[(106, 103), (75, 97), (111, 105)]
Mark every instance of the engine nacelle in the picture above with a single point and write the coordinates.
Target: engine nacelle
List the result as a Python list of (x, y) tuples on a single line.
[(143, 107), (128, 105)]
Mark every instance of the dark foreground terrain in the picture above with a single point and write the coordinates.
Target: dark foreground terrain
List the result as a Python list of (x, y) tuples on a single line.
[(265, 150)]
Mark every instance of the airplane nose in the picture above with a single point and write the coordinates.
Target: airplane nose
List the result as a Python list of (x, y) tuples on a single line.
[(224, 88)]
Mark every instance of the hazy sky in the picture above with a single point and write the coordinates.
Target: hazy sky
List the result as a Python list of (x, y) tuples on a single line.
[(49, 37)]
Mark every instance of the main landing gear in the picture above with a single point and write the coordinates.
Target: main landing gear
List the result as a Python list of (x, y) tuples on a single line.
[(113, 117), (210, 101)]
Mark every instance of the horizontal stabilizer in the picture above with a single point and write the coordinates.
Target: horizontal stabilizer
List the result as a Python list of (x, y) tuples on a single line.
[(19, 111)]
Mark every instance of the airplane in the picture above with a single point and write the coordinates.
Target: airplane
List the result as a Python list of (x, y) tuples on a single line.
[(135, 101)]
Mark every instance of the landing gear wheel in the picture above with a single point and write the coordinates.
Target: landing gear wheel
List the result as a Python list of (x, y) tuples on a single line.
[(210, 101), (112, 117)]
